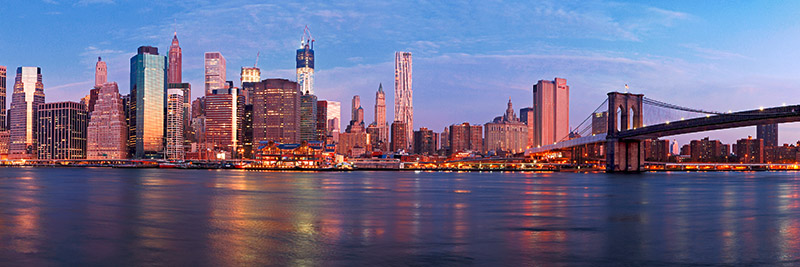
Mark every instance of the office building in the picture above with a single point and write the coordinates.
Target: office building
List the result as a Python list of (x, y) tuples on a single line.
[(276, 109), (62, 130), (305, 63), (23, 121), (550, 111), (308, 117), (100, 73), (382, 127), (148, 102), (769, 133), (107, 133), (215, 72), (526, 117), (334, 117), (356, 117), (175, 122), (322, 120), (403, 94), (507, 133), (221, 122), (175, 68), (3, 121), (186, 104)]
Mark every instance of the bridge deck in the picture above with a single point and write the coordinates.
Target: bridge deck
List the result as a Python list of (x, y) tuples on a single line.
[(598, 138)]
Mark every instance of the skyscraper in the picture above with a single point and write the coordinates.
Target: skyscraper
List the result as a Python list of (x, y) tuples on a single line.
[(187, 109), (215, 72), (305, 63), (551, 111), (222, 121), (308, 117), (148, 102), (276, 111), (250, 75), (28, 95), (106, 135), (356, 117), (3, 122), (526, 116), (334, 117), (175, 123), (403, 100), (100, 73), (175, 72), (322, 120), (768, 132), (62, 130), (380, 116)]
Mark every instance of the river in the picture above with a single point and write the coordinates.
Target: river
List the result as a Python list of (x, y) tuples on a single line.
[(123, 217)]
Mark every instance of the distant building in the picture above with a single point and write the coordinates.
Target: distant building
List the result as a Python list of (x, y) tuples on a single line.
[(551, 111), (276, 111), (656, 150), (399, 136), (308, 117), (769, 133), (382, 127), (444, 139), (353, 144), (507, 134), (23, 120), (425, 142), (175, 120), (3, 121), (222, 122), (334, 117), (186, 105), (750, 150), (305, 63), (322, 120), (526, 117), (215, 72), (250, 75), (356, 117), (62, 130), (4, 140), (107, 132), (465, 137), (706, 150), (403, 95), (246, 132), (148, 102), (100, 73), (600, 122), (174, 70)]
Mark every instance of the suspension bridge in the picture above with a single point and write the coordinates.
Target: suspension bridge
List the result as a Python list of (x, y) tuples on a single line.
[(620, 124)]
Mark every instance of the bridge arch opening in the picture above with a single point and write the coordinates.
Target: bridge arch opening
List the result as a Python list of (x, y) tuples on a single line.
[(631, 115), (619, 119)]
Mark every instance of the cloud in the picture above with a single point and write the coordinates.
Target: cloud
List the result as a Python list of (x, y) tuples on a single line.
[(52, 2), (90, 2), (713, 54)]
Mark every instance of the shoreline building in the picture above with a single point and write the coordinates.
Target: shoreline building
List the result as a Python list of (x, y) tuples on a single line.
[(305, 63), (550, 111), (506, 133), (62, 130), (465, 138), (425, 141), (23, 120), (106, 135), (403, 95), (148, 102), (276, 109), (175, 121), (214, 72)]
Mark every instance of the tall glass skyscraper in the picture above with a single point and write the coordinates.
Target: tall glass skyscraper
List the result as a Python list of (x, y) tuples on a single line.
[(148, 102), (403, 95), (28, 95), (215, 72), (305, 64), (3, 122)]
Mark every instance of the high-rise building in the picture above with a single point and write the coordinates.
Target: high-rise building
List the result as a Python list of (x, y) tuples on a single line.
[(131, 139), (186, 88), (246, 132), (334, 117), (424, 142), (222, 122), (250, 75), (4, 140), (768, 132), (403, 94), (380, 117), (600, 122), (445, 139), (705, 150), (399, 137), (357, 117), (507, 134), (148, 102), (175, 68), (100, 73), (526, 116), (23, 120), (3, 122), (174, 135), (276, 111), (551, 111), (305, 63), (322, 120), (308, 117), (62, 130), (107, 133), (465, 137), (750, 150), (215, 72)]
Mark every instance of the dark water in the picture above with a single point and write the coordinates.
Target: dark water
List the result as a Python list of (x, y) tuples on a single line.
[(230, 218)]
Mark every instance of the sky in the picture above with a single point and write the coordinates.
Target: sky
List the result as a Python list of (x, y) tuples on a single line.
[(469, 57)]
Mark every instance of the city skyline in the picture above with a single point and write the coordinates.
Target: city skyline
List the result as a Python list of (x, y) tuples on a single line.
[(598, 51)]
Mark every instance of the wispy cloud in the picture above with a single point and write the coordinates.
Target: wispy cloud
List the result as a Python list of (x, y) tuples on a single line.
[(713, 54), (90, 2)]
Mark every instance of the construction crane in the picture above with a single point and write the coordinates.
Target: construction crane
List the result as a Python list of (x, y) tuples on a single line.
[(307, 39), (257, 54)]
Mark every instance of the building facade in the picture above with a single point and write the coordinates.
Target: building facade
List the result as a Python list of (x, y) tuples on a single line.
[(276, 109), (403, 94), (107, 133), (221, 123), (308, 118), (214, 72), (380, 123), (750, 150), (175, 67), (466, 138), (3, 121), (399, 137), (62, 130), (322, 120), (551, 111), (769, 133), (175, 147), (100, 73), (250, 75), (23, 120), (425, 142), (705, 150), (148, 102), (506, 134), (186, 104)]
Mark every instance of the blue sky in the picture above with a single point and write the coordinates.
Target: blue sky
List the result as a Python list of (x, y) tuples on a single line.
[(469, 57)]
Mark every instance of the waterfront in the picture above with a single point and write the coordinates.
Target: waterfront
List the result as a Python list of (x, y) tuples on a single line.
[(80, 216)]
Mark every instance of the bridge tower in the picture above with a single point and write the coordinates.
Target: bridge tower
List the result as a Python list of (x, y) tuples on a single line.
[(624, 155)]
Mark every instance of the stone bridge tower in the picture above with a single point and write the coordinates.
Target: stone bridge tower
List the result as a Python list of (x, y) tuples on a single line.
[(624, 155)]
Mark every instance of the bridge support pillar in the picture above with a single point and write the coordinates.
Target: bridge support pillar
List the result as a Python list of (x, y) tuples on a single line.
[(624, 156)]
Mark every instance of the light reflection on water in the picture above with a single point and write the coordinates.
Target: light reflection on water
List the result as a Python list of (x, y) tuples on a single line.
[(231, 218)]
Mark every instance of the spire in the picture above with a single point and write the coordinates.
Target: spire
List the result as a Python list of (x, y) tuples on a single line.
[(380, 88), (175, 39), (99, 59)]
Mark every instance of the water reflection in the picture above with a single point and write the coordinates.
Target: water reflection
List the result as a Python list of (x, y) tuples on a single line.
[(233, 218)]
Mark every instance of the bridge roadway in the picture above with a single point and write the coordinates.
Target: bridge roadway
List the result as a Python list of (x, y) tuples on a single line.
[(782, 114)]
